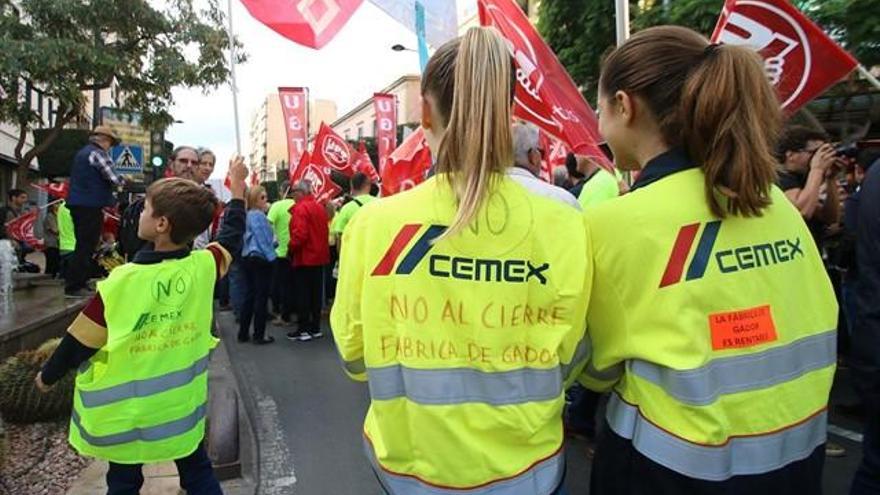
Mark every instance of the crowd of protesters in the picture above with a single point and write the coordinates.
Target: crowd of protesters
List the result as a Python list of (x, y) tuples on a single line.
[(284, 263)]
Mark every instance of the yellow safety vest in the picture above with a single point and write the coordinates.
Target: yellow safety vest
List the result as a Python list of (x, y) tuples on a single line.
[(718, 336), (466, 342), (143, 396), (66, 236), (598, 189)]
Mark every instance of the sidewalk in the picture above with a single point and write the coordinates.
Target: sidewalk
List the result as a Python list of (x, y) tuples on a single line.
[(159, 479)]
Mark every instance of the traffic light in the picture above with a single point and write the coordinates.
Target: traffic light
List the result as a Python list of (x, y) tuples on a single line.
[(157, 151)]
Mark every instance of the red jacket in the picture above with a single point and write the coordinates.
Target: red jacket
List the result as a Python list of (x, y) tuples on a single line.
[(309, 233)]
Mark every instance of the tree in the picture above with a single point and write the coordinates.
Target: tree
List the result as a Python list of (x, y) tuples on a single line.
[(64, 48), (580, 32)]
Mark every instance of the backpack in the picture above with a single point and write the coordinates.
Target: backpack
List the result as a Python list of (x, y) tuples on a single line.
[(129, 242)]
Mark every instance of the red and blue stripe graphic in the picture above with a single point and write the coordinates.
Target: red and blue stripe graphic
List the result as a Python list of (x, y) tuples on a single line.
[(682, 248), (415, 255)]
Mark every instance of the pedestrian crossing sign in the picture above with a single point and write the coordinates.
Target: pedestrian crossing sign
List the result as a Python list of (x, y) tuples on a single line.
[(128, 159)]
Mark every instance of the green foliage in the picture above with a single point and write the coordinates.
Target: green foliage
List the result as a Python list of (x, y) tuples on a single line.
[(20, 401), (64, 48), (855, 24), (582, 31)]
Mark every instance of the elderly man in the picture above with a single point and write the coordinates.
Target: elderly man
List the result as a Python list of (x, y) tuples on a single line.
[(184, 163), (309, 253), (527, 165), (92, 183)]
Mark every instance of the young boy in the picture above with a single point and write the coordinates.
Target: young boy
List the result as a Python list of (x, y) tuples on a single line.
[(142, 342)]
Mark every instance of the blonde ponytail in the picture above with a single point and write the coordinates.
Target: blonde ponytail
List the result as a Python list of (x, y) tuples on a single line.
[(477, 146)]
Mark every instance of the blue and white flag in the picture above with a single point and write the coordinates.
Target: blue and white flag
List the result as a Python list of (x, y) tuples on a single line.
[(441, 18)]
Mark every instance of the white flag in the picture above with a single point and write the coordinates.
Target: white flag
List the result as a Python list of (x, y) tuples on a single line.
[(441, 18)]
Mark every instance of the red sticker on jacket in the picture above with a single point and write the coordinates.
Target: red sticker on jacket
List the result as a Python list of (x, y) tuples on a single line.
[(743, 328)]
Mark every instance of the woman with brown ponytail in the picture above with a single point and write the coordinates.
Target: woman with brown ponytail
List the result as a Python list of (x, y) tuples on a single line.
[(462, 301), (712, 319)]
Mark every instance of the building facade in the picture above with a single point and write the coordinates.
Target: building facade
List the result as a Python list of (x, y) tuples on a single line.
[(46, 108), (268, 136), (360, 121)]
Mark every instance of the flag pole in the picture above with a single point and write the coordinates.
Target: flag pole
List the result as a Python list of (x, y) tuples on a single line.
[(621, 13), (420, 35), (232, 82), (870, 77)]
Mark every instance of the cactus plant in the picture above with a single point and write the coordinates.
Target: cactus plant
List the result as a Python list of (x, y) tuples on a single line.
[(20, 401)]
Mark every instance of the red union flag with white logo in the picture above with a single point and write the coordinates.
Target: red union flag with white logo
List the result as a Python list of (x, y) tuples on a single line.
[(332, 152), (364, 165), (294, 105), (545, 94), (800, 59), (386, 125), (312, 23), (323, 187), (408, 165), (554, 153), (22, 229)]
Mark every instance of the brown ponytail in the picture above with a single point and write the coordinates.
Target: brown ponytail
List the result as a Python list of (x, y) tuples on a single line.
[(471, 81), (714, 101)]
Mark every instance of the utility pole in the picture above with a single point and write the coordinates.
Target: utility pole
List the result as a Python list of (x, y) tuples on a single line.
[(621, 14)]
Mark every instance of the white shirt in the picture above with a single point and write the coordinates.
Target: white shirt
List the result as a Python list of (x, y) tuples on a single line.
[(535, 185)]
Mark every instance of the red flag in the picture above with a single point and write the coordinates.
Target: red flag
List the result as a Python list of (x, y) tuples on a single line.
[(545, 94), (227, 182), (293, 171), (312, 23), (363, 164), (555, 152), (332, 152), (58, 190), (408, 165), (800, 59), (21, 229), (294, 105), (323, 186), (111, 221), (255, 180), (385, 106)]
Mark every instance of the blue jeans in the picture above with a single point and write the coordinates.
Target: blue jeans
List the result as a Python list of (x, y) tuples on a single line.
[(237, 286), (196, 476)]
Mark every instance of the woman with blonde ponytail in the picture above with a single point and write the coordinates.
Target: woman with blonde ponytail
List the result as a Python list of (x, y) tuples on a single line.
[(462, 301), (712, 319)]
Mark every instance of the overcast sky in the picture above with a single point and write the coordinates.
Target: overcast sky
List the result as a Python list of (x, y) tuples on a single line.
[(348, 70)]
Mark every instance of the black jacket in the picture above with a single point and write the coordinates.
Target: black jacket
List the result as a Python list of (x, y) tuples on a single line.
[(866, 333)]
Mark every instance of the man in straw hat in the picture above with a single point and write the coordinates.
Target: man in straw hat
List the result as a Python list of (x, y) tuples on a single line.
[(92, 182)]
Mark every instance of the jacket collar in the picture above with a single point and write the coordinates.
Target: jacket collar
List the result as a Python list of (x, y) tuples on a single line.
[(148, 256), (671, 162)]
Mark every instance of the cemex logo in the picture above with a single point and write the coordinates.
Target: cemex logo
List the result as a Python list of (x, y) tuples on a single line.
[(461, 268), (732, 260)]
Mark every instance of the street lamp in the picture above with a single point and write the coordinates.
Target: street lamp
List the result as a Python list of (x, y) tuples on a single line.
[(400, 48)]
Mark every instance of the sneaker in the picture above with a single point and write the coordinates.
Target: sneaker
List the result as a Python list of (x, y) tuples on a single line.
[(317, 334), (298, 336), (78, 293), (265, 340), (834, 450), (279, 322)]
